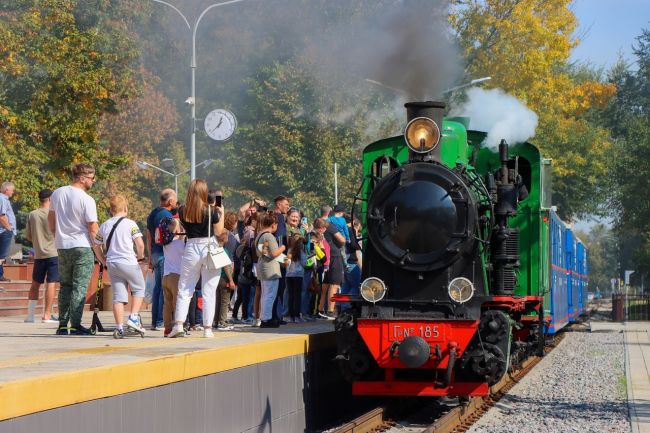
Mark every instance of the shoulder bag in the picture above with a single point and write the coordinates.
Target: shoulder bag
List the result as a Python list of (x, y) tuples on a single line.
[(217, 256)]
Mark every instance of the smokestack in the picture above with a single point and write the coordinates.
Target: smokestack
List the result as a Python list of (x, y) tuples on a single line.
[(433, 110)]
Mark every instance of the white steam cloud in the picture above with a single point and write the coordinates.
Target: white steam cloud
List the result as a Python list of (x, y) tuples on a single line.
[(502, 115)]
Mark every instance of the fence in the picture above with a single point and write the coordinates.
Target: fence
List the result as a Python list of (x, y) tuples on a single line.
[(630, 307)]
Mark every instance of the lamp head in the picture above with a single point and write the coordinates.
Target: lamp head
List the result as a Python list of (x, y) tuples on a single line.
[(142, 165)]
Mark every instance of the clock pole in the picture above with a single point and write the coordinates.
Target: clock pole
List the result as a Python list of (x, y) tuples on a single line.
[(192, 99)]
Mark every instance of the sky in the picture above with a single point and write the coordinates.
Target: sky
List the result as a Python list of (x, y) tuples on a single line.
[(607, 28)]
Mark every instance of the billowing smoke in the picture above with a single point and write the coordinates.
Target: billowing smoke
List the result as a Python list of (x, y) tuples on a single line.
[(502, 115), (404, 46)]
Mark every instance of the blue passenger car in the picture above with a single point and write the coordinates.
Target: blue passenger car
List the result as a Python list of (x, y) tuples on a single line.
[(581, 274), (559, 296)]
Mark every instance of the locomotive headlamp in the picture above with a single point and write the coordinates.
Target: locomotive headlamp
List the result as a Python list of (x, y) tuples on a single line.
[(373, 289), (422, 135), (460, 290)]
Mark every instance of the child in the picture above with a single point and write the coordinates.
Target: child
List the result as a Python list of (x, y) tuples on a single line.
[(295, 273), (225, 287), (339, 221), (118, 235)]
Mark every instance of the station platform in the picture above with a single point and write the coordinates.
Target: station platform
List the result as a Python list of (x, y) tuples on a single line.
[(248, 379), (637, 369)]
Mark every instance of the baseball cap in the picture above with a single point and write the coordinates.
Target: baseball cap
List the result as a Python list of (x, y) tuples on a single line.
[(339, 208)]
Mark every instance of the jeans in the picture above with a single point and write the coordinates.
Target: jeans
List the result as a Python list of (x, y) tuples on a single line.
[(269, 295), (5, 245), (305, 300), (279, 303), (243, 300), (193, 267), (294, 296), (351, 283), (158, 261), (251, 301), (75, 270)]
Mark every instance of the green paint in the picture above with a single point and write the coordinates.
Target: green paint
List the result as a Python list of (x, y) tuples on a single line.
[(460, 146)]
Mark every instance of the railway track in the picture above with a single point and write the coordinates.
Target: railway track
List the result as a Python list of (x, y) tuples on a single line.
[(455, 420)]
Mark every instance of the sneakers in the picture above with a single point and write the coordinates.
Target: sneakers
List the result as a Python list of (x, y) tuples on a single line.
[(166, 332), (196, 328), (50, 320), (248, 321), (118, 333), (225, 328), (321, 316), (135, 322), (62, 331), (31, 320), (80, 330), (4, 279), (207, 333), (298, 320), (177, 331), (257, 323)]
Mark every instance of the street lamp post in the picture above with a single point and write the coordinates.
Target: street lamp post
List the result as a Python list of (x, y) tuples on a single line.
[(145, 165), (192, 99)]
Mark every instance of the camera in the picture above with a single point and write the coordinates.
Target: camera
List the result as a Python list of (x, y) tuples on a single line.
[(218, 201), (303, 221)]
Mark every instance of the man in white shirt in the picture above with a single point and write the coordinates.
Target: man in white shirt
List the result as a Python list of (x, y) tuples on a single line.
[(73, 220)]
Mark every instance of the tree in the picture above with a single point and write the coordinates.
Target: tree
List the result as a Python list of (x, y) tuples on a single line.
[(602, 257), (628, 117), (57, 78), (288, 144), (140, 129), (524, 46)]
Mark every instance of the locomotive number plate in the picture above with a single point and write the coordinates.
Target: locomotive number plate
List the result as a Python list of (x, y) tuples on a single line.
[(399, 331)]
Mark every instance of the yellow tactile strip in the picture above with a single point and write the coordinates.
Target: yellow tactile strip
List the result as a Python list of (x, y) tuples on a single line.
[(23, 397)]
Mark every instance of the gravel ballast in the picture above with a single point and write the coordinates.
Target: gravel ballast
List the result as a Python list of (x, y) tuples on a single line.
[(578, 387)]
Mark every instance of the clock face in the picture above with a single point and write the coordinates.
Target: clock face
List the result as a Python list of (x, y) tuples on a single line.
[(220, 124)]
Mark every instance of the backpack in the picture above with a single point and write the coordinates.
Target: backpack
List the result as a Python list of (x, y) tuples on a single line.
[(163, 234), (244, 253)]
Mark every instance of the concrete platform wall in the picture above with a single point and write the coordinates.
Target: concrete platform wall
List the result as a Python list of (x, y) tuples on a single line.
[(294, 394)]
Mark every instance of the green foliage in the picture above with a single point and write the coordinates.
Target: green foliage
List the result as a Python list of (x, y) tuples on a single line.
[(57, 79), (628, 117), (292, 147), (603, 257), (525, 47)]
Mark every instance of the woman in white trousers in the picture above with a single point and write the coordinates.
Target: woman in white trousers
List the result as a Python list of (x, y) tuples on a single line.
[(195, 216)]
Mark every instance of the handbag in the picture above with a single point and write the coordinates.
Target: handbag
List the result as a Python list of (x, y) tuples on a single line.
[(217, 256)]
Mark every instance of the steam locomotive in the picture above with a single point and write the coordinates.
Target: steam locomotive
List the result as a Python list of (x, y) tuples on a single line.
[(466, 265)]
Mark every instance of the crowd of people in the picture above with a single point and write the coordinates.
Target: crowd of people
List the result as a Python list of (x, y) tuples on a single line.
[(212, 269)]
